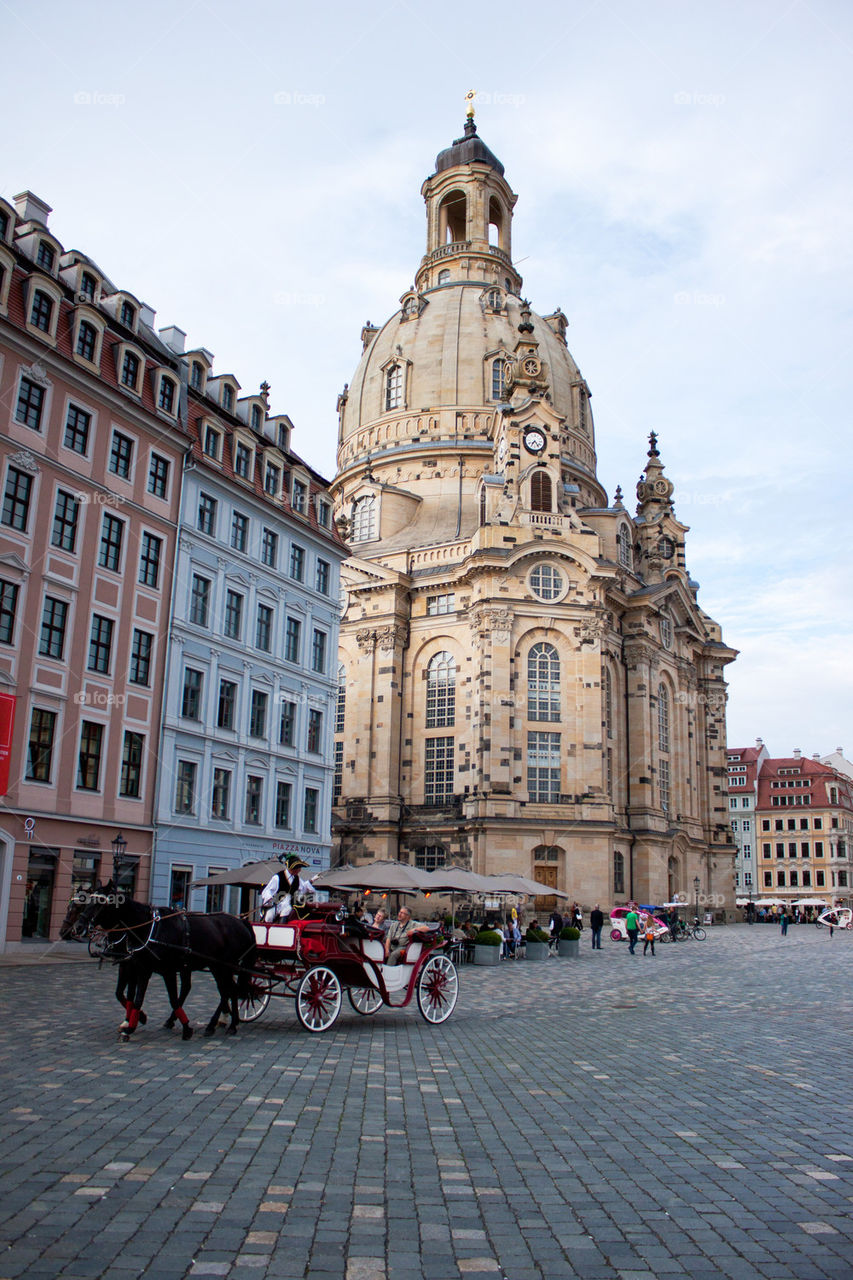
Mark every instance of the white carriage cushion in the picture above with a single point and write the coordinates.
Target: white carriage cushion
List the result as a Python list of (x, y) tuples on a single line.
[(413, 952), (274, 935), (374, 949), (395, 976)]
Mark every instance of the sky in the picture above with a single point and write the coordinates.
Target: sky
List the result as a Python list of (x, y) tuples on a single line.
[(685, 189)]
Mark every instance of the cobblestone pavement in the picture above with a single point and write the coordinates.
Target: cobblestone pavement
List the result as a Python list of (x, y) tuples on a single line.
[(614, 1116)]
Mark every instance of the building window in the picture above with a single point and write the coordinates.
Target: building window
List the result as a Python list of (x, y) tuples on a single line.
[(112, 532), (87, 340), (341, 705), (292, 632), (212, 443), (272, 480), (618, 872), (287, 725), (393, 387), (185, 786), (318, 651), (543, 683), (89, 757), (8, 607), (140, 658), (258, 714), (430, 856), (243, 462), (131, 765), (444, 276), (254, 795), (315, 730), (167, 398), (121, 455), (323, 514), (540, 491), (191, 697), (46, 256), (40, 745), (158, 476), (608, 703), (543, 767), (283, 795), (149, 560), (100, 644), (323, 577), (297, 563), (263, 629), (199, 601), (42, 311), (53, 619), (438, 770), (77, 429), (663, 779), (30, 404), (233, 615), (441, 691), (626, 556), (666, 631), (130, 370), (206, 522), (338, 775), (127, 315), (228, 397), (663, 718), (269, 548), (311, 809), (545, 582), (364, 519), (498, 379), (16, 499), (299, 500), (226, 709), (220, 799), (239, 531), (196, 375), (437, 605), (64, 531)]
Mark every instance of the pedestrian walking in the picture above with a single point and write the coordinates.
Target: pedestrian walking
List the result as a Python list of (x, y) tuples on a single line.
[(632, 928), (556, 923), (783, 921), (649, 935), (596, 924)]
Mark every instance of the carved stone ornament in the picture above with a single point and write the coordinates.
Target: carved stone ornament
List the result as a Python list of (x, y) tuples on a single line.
[(25, 461), (636, 652), (490, 621), (37, 374), (391, 637), (592, 632), (366, 640)]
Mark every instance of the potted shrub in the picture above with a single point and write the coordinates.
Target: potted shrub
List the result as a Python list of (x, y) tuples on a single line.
[(568, 943), (487, 947), (535, 944)]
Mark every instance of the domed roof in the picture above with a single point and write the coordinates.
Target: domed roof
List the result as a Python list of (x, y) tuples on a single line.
[(467, 149), (448, 348)]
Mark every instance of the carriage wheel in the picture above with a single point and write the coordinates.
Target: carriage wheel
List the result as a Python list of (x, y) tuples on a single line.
[(251, 1006), (438, 989), (318, 999), (365, 1000), (615, 935)]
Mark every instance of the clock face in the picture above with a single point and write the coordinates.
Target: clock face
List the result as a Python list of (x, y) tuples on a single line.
[(534, 440)]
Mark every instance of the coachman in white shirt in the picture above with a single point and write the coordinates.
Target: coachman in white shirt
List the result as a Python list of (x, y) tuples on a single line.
[(278, 896)]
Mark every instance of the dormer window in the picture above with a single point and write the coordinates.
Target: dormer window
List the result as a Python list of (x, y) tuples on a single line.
[(88, 285), (299, 500), (127, 314), (283, 437), (212, 443), (393, 387), (498, 379), (324, 514), (243, 461), (130, 367), (364, 519), (494, 299), (168, 397), (257, 417), (46, 256), (228, 397), (411, 308), (42, 311), (197, 375), (4, 224), (272, 480), (87, 340)]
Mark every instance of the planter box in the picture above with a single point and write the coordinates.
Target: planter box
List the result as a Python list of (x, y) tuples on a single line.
[(486, 955), (568, 947), (536, 951)]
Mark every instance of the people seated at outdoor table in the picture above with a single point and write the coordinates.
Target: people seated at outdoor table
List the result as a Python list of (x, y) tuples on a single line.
[(513, 938), (399, 936)]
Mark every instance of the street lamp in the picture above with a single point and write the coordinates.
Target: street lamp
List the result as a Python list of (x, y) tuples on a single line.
[(119, 845), (696, 883)]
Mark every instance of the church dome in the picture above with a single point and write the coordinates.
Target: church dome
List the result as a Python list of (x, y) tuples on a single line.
[(467, 149)]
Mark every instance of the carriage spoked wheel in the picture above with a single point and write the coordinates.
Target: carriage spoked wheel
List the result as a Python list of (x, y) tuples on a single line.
[(256, 1001), (318, 999), (365, 1000), (437, 989)]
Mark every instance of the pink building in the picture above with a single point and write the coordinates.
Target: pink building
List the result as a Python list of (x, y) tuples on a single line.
[(92, 442)]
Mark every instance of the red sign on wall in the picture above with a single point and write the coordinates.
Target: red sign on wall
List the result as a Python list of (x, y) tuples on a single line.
[(7, 724)]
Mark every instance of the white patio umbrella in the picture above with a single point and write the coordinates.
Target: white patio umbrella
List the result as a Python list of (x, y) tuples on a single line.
[(394, 877)]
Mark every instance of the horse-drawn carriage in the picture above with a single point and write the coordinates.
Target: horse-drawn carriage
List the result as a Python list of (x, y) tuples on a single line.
[(313, 957)]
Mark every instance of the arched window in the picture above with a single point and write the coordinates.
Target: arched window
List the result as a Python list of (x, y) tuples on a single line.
[(441, 691), (494, 299), (452, 217), (608, 703), (618, 872), (340, 710), (496, 223), (364, 519), (543, 683), (540, 491), (393, 387), (444, 276), (498, 378), (663, 718), (626, 558)]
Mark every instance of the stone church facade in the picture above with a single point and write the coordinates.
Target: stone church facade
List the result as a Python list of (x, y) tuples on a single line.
[(528, 683)]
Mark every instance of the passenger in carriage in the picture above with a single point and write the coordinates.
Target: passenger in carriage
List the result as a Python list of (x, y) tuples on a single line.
[(279, 894), (399, 936), (380, 920)]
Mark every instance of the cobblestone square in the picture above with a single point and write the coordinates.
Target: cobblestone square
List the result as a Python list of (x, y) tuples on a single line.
[(613, 1117)]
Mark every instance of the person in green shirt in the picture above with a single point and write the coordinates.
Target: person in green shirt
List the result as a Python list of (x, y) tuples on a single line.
[(632, 924)]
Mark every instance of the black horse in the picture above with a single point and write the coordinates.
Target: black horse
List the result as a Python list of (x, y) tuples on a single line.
[(147, 940)]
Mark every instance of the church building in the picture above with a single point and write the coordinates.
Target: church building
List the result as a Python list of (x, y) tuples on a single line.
[(527, 682)]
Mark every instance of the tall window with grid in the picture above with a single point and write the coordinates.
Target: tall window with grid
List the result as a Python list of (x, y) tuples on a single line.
[(441, 691), (543, 683), (438, 770), (543, 766)]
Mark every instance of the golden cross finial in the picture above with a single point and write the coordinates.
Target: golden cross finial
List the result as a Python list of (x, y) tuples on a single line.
[(471, 98)]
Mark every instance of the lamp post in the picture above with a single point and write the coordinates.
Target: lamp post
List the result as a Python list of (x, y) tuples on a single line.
[(119, 845), (696, 883)]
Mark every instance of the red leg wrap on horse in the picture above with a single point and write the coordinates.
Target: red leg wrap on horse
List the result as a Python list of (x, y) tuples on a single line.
[(128, 1007), (132, 1019), (182, 1017)]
